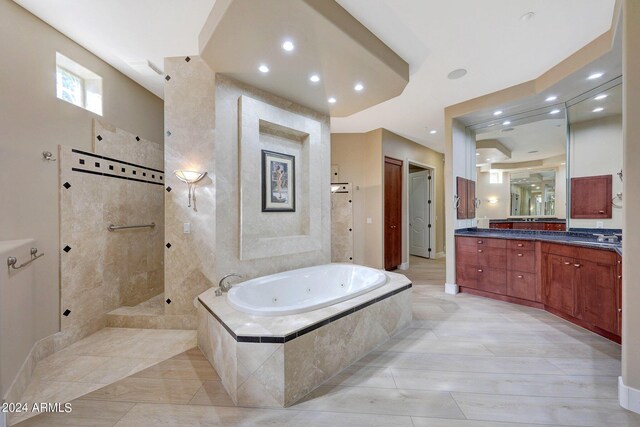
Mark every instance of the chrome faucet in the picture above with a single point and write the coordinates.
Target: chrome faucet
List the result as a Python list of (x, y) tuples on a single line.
[(223, 285), (604, 238)]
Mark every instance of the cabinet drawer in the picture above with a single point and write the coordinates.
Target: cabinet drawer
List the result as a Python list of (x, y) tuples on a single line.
[(525, 245), (491, 243), (491, 280), (466, 255), (492, 257), (562, 250), (520, 260), (521, 285), (466, 275)]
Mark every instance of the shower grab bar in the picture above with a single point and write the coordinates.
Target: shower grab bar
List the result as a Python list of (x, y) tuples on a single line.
[(125, 227), (13, 261)]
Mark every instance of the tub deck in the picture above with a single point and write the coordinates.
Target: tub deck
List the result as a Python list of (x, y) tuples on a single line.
[(275, 361)]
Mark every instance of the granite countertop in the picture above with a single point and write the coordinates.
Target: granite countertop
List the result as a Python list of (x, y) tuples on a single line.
[(540, 220), (575, 237)]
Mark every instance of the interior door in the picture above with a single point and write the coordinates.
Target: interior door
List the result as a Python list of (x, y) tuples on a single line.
[(419, 221), (392, 213)]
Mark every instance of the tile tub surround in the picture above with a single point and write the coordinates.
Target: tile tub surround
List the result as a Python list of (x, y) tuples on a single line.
[(576, 237), (275, 361)]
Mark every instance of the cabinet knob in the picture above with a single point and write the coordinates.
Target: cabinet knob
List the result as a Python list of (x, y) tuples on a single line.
[(567, 263), (480, 250), (619, 276), (480, 242), (577, 265), (619, 310), (600, 212), (520, 276), (480, 270), (520, 245), (520, 255)]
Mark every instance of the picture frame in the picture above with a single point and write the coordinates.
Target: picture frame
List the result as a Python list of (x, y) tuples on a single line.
[(278, 182)]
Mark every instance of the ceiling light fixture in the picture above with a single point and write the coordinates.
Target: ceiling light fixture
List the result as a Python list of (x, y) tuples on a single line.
[(597, 110), (527, 16), (497, 113), (263, 68), (595, 76), (314, 78), (331, 100), (433, 131), (288, 46), (599, 97), (551, 98), (358, 87), (457, 74), (506, 123), (554, 111)]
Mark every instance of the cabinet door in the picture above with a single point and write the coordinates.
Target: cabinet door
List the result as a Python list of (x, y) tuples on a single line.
[(521, 285), (492, 280), (591, 197), (462, 197), (619, 293), (597, 296), (558, 287), (471, 199)]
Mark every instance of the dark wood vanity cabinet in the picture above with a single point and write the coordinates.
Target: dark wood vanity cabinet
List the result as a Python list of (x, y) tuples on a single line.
[(582, 284), (591, 197), (466, 191), (579, 284)]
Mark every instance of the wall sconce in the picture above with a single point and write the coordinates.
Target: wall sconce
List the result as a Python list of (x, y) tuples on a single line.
[(190, 178)]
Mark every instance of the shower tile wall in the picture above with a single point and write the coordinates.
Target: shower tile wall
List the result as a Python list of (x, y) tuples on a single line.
[(120, 183), (342, 224)]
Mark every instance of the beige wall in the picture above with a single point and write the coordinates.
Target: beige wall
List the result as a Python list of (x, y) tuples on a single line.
[(359, 156), (400, 148), (596, 149), (631, 242), (360, 159), (33, 120)]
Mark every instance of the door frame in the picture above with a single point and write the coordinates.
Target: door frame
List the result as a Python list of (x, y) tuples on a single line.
[(432, 208)]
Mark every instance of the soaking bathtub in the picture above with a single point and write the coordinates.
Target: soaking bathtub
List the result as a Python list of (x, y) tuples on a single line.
[(305, 289), (274, 339)]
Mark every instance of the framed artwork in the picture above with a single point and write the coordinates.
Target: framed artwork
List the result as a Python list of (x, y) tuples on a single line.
[(278, 182)]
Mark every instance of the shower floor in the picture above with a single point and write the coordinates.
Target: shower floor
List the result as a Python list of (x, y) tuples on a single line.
[(150, 314)]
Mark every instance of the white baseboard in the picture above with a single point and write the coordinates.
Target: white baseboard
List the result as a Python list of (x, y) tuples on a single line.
[(403, 266), (629, 397), (451, 288)]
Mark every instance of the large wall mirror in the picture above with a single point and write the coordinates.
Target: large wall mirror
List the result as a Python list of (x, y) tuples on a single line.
[(521, 171), (595, 165)]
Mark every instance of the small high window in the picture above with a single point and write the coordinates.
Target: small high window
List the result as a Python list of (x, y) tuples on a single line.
[(78, 85), (495, 177)]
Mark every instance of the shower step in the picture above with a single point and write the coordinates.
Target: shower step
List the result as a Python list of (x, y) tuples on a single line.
[(150, 315)]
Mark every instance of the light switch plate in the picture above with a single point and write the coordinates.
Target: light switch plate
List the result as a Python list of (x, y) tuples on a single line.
[(599, 224), (369, 221), (186, 228)]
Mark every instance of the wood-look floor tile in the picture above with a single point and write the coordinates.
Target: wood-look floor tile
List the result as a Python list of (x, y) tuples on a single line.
[(148, 390), (180, 369), (212, 393)]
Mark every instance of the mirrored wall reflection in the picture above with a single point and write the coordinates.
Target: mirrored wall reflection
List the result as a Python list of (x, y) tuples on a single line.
[(595, 135), (521, 171)]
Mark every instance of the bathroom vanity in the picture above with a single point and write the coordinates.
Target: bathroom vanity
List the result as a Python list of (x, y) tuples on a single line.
[(548, 224), (571, 275)]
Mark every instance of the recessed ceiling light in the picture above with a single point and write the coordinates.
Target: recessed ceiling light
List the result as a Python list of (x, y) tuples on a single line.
[(331, 100), (595, 76), (551, 98), (358, 87), (263, 68), (288, 46), (506, 123), (554, 111), (314, 78), (533, 185), (527, 16), (601, 96), (433, 131), (488, 160), (497, 113), (456, 74), (597, 110)]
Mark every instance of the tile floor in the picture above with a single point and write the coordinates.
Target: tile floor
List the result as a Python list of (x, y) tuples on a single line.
[(465, 362)]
